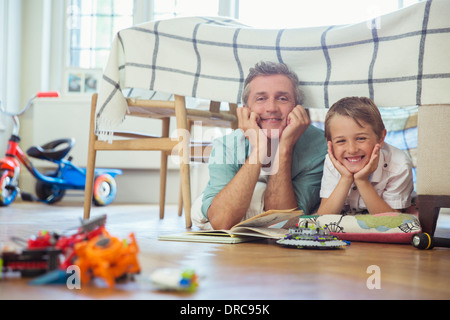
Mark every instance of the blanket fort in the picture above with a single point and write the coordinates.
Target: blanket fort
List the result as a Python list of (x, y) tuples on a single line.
[(398, 59)]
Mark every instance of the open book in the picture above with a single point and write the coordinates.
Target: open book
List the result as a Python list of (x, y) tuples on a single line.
[(258, 226)]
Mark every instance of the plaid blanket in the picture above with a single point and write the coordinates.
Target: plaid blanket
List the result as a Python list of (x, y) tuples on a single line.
[(398, 59)]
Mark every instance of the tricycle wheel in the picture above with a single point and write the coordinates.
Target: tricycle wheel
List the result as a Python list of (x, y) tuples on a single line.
[(8, 192), (47, 192), (105, 189)]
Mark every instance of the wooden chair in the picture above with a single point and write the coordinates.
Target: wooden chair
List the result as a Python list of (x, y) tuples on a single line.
[(162, 110)]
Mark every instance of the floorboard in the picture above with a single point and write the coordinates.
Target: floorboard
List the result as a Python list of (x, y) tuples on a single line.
[(260, 270)]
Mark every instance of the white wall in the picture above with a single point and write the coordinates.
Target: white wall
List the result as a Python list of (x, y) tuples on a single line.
[(36, 32), (32, 62), (10, 61)]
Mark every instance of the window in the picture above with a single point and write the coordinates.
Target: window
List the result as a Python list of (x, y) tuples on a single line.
[(300, 14), (92, 25), (165, 9)]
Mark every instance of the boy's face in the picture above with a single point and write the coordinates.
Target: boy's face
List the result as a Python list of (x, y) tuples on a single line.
[(352, 144), (272, 97)]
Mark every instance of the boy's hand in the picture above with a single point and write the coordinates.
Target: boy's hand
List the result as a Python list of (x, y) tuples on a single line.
[(338, 165), (371, 166)]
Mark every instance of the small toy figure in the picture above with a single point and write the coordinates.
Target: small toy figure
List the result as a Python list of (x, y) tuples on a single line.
[(175, 279), (310, 235), (107, 257)]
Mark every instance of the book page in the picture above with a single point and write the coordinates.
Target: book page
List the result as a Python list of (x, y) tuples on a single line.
[(269, 218), (272, 233)]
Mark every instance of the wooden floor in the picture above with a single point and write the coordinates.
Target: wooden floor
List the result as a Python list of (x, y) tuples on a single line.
[(259, 270)]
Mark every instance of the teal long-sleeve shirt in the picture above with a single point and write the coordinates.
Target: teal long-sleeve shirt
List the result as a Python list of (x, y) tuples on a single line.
[(231, 151)]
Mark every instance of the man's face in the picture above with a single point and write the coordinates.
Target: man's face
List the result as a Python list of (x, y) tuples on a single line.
[(272, 97)]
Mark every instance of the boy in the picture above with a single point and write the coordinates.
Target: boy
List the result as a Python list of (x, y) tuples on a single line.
[(362, 173)]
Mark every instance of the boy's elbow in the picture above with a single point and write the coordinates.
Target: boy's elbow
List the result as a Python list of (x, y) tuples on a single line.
[(321, 212)]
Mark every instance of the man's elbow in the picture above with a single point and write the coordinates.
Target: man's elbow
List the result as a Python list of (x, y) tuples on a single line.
[(221, 224), (220, 220)]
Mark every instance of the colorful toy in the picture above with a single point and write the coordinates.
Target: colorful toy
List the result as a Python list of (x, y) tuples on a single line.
[(175, 279), (107, 257), (30, 263), (91, 248), (51, 186), (48, 251), (310, 235)]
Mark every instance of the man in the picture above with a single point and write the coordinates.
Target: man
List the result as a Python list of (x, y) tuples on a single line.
[(273, 161)]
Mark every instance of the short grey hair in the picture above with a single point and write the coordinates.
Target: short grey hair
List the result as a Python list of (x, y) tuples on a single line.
[(266, 68)]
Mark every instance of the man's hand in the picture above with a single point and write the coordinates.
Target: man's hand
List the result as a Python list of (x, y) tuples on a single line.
[(248, 123), (280, 191), (247, 119), (297, 123)]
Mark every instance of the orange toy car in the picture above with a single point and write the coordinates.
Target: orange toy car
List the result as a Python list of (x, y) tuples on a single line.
[(107, 257)]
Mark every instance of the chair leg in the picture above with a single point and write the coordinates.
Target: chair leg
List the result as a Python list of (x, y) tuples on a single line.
[(183, 135), (90, 169), (180, 198), (233, 108), (186, 192), (429, 207), (163, 174)]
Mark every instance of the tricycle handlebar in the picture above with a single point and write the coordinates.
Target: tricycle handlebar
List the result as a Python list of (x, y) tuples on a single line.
[(48, 94)]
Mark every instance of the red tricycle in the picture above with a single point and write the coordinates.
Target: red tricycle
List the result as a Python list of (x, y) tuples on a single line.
[(52, 185)]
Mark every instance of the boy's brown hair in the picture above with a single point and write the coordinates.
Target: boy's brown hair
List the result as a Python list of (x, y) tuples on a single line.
[(359, 109)]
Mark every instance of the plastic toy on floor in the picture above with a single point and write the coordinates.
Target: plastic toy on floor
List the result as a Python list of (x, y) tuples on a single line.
[(172, 279), (29, 263), (48, 255), (48, 251), (310, 235), (107, 257)]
